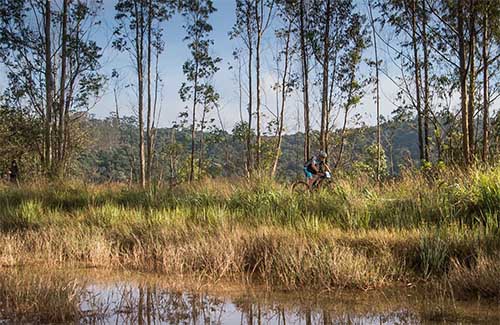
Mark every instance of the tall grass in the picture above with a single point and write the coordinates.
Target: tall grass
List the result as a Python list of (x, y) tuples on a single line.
[(356, 235), (28, 297)]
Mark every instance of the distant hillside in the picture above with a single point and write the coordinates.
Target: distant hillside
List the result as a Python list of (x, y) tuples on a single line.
[(111, 154)]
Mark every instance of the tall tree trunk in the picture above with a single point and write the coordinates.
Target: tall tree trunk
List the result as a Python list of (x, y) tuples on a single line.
[(305, 83), (149, 142), (258, 18), (463, 83), (324, 94), (193, 125), (240, 90), (283, 100), (250, 94), (202, 137), (426, 84), (173, 156), (62, 86), (472, 77), (417, 80), (48, 89), (344, 124), (377, 92), (139, 41), (156, 110), (486, 122)]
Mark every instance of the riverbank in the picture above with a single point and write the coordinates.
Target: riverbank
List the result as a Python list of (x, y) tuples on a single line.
[(415, 231)]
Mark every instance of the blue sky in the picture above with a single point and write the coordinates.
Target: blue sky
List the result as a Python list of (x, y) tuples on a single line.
[(171, 72), (225, 81)]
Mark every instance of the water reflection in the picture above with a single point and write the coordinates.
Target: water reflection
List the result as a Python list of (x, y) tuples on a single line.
[(129, 298), (147, 304)]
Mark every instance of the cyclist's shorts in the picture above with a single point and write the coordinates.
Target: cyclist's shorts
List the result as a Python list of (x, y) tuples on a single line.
[(308, 173)]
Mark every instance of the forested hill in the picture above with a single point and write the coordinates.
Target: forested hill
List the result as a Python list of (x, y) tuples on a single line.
[(112, 151)]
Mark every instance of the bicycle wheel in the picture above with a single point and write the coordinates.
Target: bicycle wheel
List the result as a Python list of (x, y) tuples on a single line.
[(300, 187), (327, 185)]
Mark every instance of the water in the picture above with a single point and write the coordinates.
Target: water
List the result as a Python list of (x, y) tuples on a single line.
[(134, 298)]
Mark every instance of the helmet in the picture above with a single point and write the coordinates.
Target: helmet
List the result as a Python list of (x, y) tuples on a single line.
[(322, 154)]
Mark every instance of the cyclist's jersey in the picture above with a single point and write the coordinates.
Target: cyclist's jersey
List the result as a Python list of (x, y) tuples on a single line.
[(316, 161)]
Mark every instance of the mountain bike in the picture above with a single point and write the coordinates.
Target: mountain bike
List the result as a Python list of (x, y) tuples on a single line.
[(301, 187)]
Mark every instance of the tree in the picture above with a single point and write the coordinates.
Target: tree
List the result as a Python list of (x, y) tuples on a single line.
[(262, 14), (426, 64), (39, 42), (200, 68), (335, 30), (377, 89), (286, 85), (139, 32), (350, 84), (48, 87), (209, 100), (304, 56), (244, 28), (325, 77), (485, 58)]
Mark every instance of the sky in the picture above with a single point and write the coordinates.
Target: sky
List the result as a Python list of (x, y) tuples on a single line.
[(225, 81)]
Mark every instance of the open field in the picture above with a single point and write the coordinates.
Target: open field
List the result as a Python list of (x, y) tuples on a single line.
[(442, 232)]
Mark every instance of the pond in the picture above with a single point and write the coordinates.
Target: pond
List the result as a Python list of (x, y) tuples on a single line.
[(134, 298)]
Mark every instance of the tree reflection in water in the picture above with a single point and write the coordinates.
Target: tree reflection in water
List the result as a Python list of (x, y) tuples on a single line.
[(130, 298), (145, 304)]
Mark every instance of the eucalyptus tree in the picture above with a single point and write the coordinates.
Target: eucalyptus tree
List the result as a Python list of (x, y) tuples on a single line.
[(39, 42), (303, 28), (209, 99), (403, 17), (139, 32), (286, 12), (377, 91), (351, 83), (447, 35), (338, 37), (263, 12), (244, 29), (200, 67), (489, 16)]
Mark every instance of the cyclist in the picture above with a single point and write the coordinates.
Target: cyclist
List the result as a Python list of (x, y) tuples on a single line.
[(316, 167)]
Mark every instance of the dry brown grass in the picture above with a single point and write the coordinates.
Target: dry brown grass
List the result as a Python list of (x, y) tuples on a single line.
[(481, 279), (28, 297)]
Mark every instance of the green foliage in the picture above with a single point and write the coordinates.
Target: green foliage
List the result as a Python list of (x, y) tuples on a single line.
[(369, 164)]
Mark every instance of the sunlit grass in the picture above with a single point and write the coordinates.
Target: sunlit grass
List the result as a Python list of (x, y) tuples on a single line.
[(356, 235)]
